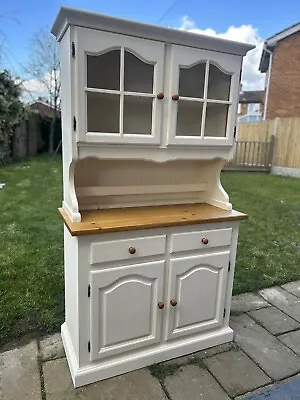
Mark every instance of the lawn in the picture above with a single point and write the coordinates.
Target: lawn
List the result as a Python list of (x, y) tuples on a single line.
[(31, 237)]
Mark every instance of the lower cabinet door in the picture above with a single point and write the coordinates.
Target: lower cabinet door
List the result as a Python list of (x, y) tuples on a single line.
[(197, 288), (124, 308)]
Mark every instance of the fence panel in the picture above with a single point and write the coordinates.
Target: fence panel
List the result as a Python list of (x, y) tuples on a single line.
[(259, 131), (287, 150), (254, 156)]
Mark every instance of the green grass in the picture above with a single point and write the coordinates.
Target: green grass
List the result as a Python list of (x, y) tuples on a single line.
[(269, 242), (31, 237)]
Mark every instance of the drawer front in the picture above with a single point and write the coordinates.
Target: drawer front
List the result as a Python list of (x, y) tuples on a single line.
[(127, 249), (200, 239)]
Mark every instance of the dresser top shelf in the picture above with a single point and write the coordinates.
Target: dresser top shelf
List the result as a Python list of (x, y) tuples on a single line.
[(127, 219)]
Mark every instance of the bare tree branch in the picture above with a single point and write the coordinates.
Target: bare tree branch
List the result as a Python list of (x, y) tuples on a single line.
[(44, 67)]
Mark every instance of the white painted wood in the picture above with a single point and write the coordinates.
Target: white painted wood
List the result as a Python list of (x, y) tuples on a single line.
[(119, 249), (141, 189), (185, 57), (116, 156), (198, 284), (69, 16), (193, 240), (91, 42), (124, 311)]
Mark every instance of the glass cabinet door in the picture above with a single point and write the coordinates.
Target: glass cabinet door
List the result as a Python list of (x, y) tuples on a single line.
[(119, 91), (204, 89)]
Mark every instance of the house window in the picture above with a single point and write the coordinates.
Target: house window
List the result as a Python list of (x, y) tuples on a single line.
[(253, 108)]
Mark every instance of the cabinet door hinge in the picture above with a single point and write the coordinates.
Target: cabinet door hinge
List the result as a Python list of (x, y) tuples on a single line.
[(89, 291), (89, 346), (224, 313), (73, 49), (74, 123), (229, 266)]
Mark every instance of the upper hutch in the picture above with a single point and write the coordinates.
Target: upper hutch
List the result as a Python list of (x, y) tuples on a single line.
[(148, 120), (132, 91)]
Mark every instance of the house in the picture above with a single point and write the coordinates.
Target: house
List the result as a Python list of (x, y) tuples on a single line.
[(250, 105), (280, 60), (44, 109)]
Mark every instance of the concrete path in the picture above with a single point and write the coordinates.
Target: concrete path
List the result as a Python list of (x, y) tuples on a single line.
[(262, 362)]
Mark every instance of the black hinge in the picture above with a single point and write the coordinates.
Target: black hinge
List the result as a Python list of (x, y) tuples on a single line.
[(234, 132), (89, 291), (89, 346), (224, 313), (73, 49), (74, 123), (229, 266)]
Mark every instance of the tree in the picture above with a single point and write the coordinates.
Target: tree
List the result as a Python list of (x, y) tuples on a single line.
[(45, 68), (11, 112)]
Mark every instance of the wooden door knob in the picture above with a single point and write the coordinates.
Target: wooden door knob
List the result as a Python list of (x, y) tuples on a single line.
[(132, 250), (173, 302), (204, 240), (175, 97), (160, 95), (160, 305)]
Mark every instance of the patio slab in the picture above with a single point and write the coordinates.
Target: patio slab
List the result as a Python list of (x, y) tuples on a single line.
[(137, 385), (274, 320), (19, 374), (275, 359), (292, 340), (292, 287), (236, 372), (285, 301), (194, 383), (247, 302), (52, 347)]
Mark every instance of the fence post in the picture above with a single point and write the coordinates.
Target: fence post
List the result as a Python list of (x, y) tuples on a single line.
[(273, 143)]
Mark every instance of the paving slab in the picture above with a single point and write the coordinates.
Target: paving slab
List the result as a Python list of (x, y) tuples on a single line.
[(200, 354), (292, 340), (274, 320), (19, 374), (51, 347), (194, 383), (137, 385), (288, 389), (285, 301), (247, 302), (276, 360), (236, 372), (293, 287)]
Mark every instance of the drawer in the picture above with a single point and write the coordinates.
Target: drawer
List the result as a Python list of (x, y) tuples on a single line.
[(127, 249), (200, 239)]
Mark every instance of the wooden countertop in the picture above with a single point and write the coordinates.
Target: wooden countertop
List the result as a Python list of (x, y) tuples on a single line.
[(127, 219)]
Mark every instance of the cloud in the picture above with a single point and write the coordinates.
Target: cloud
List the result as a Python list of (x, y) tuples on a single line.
[(252, 79)]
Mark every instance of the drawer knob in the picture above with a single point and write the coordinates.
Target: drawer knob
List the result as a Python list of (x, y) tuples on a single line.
[(204, 240), (160, 305), (160, 96), (132, 250), (175, 97), (173, 302)]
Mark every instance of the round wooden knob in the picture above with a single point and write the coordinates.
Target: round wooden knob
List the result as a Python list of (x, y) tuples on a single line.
[(175, 97), (160, 305), (132, 250), (173, 302), (204, 240), (160, 96)]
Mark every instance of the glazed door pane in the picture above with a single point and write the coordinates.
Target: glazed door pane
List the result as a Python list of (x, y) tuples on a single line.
[(207, 85), (198, 284), (118, 80), (124, 311)]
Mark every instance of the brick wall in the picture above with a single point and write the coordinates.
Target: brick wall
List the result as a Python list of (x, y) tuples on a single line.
[(284, 91)]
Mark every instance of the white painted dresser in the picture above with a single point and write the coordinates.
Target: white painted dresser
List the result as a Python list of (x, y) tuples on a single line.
[(150, 236)]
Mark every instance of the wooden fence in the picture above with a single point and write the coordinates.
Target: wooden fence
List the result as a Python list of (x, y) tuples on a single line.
[(263, 144), (252, 155)]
